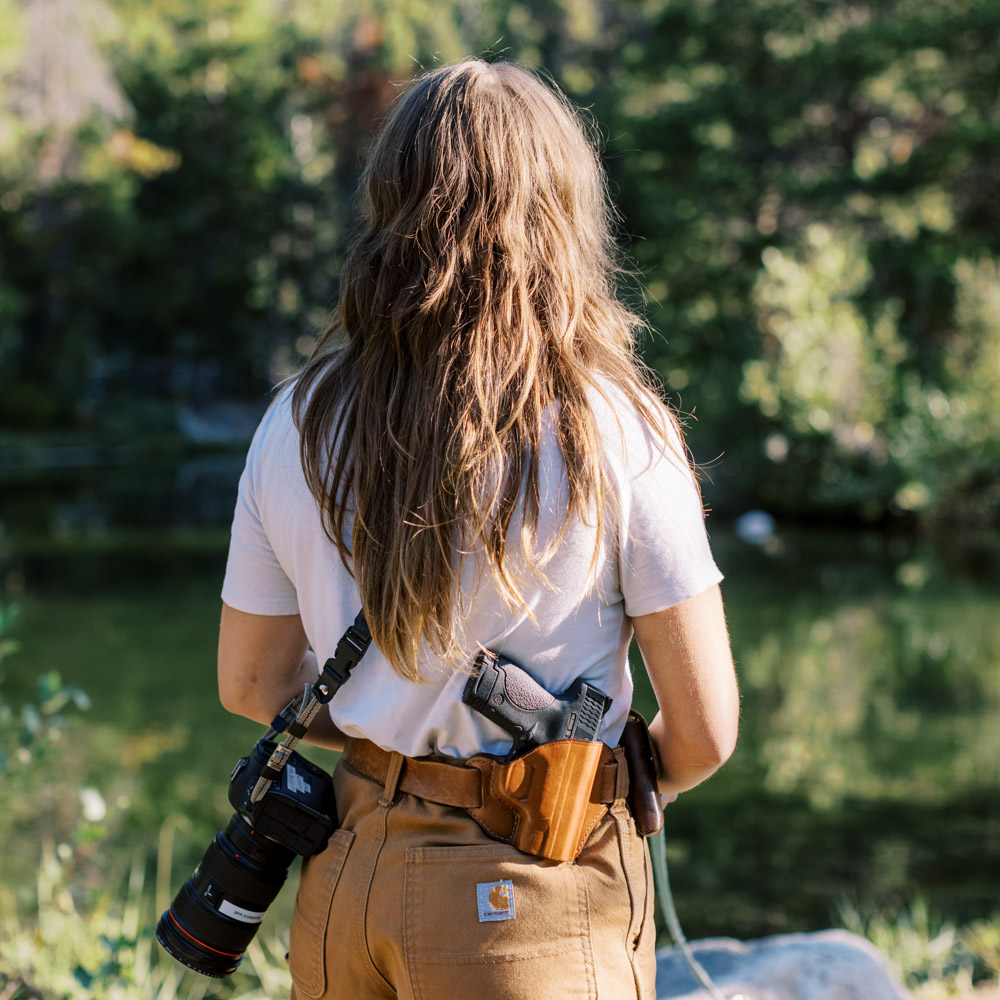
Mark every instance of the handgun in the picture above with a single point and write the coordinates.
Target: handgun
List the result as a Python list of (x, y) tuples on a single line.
[(508, 695)]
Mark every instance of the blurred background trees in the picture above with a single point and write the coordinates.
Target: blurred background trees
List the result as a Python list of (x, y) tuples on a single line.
[(809, 215), (808, 194)]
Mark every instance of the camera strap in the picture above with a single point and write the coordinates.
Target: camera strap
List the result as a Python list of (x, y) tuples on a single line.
[(296, 717)]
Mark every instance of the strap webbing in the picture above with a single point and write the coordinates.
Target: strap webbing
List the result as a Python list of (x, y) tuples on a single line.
[(298, 714)]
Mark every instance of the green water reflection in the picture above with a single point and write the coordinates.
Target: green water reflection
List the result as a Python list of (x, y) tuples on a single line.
[(868, 766)]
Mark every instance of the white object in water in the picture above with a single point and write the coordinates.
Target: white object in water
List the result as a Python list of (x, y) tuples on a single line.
[(755, 527)]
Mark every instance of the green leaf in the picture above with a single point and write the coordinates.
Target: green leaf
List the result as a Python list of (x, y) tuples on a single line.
[(83, 977)]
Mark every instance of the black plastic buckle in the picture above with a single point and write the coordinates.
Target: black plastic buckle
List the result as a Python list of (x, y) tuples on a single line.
[(352, 646), (285, 716), (359, 641)]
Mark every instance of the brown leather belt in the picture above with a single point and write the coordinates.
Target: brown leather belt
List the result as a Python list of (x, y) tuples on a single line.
[(454, 784), (545, 802)]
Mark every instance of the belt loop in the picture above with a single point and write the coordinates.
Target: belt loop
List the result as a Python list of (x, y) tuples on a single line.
[(621, 778), (396, 761)]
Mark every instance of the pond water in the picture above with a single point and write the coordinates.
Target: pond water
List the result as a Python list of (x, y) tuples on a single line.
[(868, 767)]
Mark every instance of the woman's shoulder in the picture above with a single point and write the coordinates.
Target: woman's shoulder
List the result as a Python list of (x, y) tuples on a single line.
[(612, 401), (637, 428), (280, 411), (277, 427)]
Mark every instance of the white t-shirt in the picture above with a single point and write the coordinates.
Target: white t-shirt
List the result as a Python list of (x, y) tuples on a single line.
[(654, 555)]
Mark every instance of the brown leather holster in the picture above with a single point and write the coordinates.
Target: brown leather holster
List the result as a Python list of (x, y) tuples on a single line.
[(545, 803), (643, 794)]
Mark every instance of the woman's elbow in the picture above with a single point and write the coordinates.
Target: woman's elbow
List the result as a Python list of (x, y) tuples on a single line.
[(720, 746), (237, 691), (726, 728), (692, 748), (232, 696), (683, 766), (709, 749), (231, 700)]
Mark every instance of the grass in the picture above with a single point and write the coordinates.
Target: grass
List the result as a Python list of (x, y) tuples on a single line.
[(136, 627), (933, 957), (108, 950), (62, 948)]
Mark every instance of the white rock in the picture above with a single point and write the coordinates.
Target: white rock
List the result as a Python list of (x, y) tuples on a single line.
[(828, 965)]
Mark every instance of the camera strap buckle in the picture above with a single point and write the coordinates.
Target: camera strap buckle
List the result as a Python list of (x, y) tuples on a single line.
[(299, 713), (352, 646)]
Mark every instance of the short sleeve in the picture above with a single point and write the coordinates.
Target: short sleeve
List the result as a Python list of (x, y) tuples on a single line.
[(255, 581), (664, 553)]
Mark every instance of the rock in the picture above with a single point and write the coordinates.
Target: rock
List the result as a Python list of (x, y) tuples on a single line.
[(828, 965)]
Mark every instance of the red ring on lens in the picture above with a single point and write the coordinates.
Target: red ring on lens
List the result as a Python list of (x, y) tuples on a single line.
[(177, 924)]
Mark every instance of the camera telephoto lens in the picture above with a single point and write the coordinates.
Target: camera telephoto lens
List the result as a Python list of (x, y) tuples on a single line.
[(219, 908)]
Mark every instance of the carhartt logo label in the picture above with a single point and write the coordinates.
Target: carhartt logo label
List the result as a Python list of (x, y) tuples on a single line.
[(496, 900)]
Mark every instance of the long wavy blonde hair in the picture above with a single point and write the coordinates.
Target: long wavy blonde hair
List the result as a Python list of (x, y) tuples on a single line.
[(478, 292)]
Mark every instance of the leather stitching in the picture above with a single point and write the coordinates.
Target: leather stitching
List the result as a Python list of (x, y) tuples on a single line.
[(590, 829), (482, 822)]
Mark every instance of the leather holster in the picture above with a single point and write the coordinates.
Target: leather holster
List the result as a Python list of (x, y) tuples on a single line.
[(643, 794), (545, 803)]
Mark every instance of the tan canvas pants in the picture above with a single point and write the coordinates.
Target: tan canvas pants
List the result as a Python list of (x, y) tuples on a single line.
[(412, 900)]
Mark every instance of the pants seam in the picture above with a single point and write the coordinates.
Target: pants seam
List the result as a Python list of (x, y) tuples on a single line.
[(408, 909), (625, 848), (583, 902), (647, 889), (370, 965)]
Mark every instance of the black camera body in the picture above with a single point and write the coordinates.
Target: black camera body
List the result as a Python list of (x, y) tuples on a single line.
[(219, 908), (297, 811)]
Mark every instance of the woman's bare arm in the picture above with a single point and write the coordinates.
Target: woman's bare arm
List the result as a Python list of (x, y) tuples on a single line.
[(687, 656), (264, 662)]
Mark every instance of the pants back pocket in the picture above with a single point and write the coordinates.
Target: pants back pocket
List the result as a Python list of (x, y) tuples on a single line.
[(489, 921), (307, 948)]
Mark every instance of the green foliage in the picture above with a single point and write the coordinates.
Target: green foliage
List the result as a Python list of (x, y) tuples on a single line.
[(84, 928), (844, 685), (808, 190), (806, 178), (867, 759), (32, 728), (934, 958), (106, 949)]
